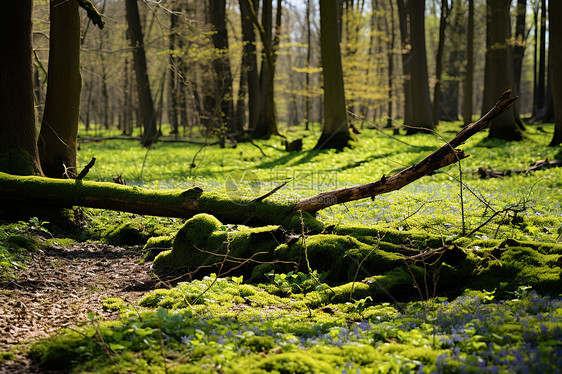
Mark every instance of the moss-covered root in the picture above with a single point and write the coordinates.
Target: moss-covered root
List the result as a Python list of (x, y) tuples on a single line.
[(205, 245)]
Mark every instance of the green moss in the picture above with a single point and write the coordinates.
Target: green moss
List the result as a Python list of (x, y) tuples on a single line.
[(155, 245), (516, 266), (202, 242), (58, 352), (299, 221), (415, 238), (295, 363), (22, 242), (258, 343), (129, 233), (6, 356)]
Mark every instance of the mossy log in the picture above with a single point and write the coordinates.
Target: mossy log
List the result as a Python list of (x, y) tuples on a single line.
[(186, 204)]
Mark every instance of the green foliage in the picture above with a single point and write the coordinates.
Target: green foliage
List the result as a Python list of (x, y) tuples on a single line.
[(468, 333)]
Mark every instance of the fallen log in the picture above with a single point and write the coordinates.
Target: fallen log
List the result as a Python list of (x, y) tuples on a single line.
[(185, 204), (539, 165)]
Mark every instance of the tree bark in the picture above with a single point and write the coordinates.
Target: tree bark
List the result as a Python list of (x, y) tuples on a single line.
[(139, 62), (498, 74), (541, 77), (335, 132), (439, 59), (520, 40), (417, 103), (221, 66), (555, 32), (18, 136), (250, 64), (59, 128), (185, 204), (467, 104)]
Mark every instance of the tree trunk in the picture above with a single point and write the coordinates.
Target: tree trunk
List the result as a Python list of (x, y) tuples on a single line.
[(335, 132), (139, 62), (18, 136), (250, 64), (467, 105), (417, 103), (498, 74), (267, 120), (439, 59), (540, 86), (59, 128), (449, 108), (520, 40), (555, 43), (174, 77), (221, 66), (232, 209), (307, 74)]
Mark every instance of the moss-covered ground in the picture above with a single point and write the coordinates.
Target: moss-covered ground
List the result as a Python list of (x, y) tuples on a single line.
[(344, 300)]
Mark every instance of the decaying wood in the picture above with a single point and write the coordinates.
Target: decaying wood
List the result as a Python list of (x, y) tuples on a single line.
[(539, 165), (444, 156), (67, 193)]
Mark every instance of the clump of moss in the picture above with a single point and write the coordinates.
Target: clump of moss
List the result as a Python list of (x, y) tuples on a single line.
[(204, 243), (155, 245), (22, 242), (295, 363), (6, 356), (258, 343), (58, 352), (129, 233)]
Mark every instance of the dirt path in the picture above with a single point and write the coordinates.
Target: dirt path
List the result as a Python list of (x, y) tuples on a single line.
[(59, 287)]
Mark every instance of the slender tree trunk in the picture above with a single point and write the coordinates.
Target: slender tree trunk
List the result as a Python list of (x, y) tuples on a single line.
[(449, 104), (335, 132), (535, 57), (499, 69), (439, 59), (267, 122), (417, 107), (221, 66), (541, 77), (59, 128), (18, 136), (520, 39), (390, 57), (555, 43), (139, 62), (173, 75), (307, 74), (250, 64), (467, 107)]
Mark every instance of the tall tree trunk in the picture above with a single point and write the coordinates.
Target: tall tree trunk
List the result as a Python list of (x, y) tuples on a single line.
[(267, 122), (390, 56), (139, 62), (173, 74), (250, 63), (541, 78), (555, 43), (498, 74), (417, 107), (335, 132), (59, 128), (307, 74), (18, 136), (221, 65), (449, 105), (439, 59), (467, 106), (520, 40)]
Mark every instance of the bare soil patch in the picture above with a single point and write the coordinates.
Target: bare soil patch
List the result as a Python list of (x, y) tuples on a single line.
[(59, 287)]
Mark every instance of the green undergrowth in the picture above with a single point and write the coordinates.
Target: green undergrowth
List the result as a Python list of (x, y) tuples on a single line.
[(223, 325), (17, 241)]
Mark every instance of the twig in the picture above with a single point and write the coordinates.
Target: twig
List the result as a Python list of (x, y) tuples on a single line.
[(263, 197), (86, 169)]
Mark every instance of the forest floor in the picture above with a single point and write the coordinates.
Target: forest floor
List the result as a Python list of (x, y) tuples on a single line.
[(59, 287)]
